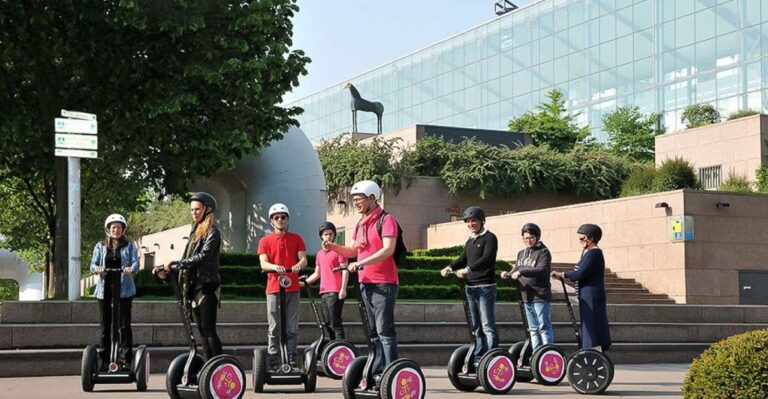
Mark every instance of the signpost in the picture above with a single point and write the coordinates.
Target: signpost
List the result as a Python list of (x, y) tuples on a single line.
[(82, 144)]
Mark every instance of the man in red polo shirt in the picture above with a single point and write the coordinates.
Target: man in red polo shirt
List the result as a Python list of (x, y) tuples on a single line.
[(285, 253), (379, 281)]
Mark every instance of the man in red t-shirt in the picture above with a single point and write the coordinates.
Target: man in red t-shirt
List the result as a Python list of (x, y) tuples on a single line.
[(379, 281), (285, 253)]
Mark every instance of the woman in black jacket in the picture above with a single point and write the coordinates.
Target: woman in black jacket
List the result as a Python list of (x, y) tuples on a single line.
[(199, 271), (589, 275)]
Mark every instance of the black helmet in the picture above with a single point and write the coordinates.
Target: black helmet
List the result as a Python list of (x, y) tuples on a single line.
[(474, 212), (531, 228), (205, 198), (592, 231), (325, 226)]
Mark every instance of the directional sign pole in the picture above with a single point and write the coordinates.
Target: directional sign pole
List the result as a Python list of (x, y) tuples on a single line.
[(73, 177)]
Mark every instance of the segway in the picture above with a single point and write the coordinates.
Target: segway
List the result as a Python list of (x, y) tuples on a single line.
[(189, 375), (546, 364), (285, 374), (496, 370), (333, 356), (589, 371), (365, 378), (92, 370)]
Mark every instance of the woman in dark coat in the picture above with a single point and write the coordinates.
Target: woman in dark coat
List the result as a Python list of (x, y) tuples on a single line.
[(589, 276)]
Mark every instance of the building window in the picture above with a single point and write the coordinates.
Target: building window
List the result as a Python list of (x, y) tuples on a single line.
[(710, 177)]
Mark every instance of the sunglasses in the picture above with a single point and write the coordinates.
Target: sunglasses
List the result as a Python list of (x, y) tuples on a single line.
[(582, 239), (280, 217)]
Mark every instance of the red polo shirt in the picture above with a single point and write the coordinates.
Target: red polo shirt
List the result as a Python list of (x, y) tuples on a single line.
[(282, 250)]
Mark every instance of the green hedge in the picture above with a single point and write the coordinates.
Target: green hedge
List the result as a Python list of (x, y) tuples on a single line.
[(736, 367), (450, 251), (246, 259)]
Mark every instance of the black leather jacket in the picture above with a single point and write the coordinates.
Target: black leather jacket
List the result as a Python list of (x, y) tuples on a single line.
[(203, 261)]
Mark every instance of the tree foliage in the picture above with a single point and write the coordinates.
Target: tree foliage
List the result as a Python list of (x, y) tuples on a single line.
[(182, 89), (698, 115), (160, 215), (631, 133), (675, 174), (551, 125)]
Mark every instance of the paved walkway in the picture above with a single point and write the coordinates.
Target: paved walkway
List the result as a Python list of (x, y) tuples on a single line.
[(631, 381)]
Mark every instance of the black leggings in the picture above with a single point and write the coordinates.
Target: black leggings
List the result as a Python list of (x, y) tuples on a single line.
[(334, 307), (105, 330), (205, 318)]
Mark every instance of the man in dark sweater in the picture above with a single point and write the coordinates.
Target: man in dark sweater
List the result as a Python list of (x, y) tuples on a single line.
[(477, 265), (532, 269)]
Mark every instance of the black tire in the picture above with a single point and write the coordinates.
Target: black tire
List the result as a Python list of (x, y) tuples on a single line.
[(515, 350), (222, 377), (399, 370), (455, 365), (497, 371), (310, 370), (176, 371), (341, 353), (259, 369), (548, 364), (352, 377), (88, 368), (141, 368), (589, 372)]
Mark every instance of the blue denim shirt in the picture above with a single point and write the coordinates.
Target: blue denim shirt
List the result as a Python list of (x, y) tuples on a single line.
[(129, 257)]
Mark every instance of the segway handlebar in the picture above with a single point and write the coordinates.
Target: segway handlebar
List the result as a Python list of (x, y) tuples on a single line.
[(282, 279), (342, 268)]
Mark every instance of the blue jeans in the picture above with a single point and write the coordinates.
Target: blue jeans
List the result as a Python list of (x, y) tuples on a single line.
[(539, 325), (482, 301), (379, 300)]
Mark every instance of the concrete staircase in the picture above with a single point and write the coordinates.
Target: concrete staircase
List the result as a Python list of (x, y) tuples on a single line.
[(623, 290), (47, 338)]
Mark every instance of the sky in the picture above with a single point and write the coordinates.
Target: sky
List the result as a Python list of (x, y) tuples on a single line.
[(345, 38)]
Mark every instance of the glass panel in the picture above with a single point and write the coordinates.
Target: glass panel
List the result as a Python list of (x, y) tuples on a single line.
[(683, 32), (575, 13), (607, 6), (561, 70), (705, 55), (668, 66), (683, 8), (643, 44), (607, 27), (754, 76), (592, 32), (608, 54), (705, 24), (705, 88), (685, 61), (728, 106), (624, 22), (625, 52), (726, 17), (750, 12), (726, 50), (546, 48), (547, 73), (643, 74), (668, 10), (753, 101), (577, 64), (750, 47), (667, 36), (643, 14), (624, 78), (727, 82), (506, 86)]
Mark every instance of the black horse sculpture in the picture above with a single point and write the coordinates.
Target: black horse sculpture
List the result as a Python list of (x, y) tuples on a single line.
[(360, 104)]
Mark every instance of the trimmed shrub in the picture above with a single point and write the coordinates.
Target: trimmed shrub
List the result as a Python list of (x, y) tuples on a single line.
[(674, 174), (697, 115), (736, 183), (640, 180), (239, 259), (736, 367), (450, 251), (9, 290), (742, 113), (761, 179)]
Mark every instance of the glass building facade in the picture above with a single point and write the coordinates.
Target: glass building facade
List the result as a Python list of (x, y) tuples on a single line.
[(659, 55)]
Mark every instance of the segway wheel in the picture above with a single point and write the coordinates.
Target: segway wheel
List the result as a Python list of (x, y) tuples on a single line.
[(259, 369), (352, 377), (403, 379), (222, 377), (497, 371), (455, 365), (141, 368), (88, 368), (176, 371), (589, 372), (336, 357), (548, 365), (515, 350), (309, 375)]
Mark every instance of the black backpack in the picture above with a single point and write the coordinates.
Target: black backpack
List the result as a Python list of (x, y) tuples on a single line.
[(400, 250)]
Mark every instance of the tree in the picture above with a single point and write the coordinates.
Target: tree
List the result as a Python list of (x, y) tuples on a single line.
[(182, 89), (551, 125), (631, 133), (698, 115)]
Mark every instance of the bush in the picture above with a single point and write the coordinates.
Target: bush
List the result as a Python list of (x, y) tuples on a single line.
[(450, 251), (640, 180), (9, 290), (761, 179), (674, 174), (736, 183), (736, 367), (697, 115), (742, 113)]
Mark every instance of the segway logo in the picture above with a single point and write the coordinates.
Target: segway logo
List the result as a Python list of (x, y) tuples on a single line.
[(407, 384), (226, 382), (339, 359), (500, 373), (551, 366)]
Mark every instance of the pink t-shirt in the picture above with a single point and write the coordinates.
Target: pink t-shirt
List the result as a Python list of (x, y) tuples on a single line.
[(384, 272), (326, 261)]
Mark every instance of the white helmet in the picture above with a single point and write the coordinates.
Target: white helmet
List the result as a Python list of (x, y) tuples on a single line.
[(115, 217), (367, 188), (278, 208)]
